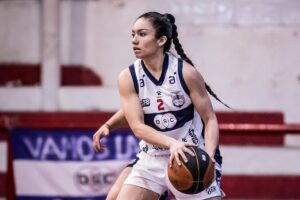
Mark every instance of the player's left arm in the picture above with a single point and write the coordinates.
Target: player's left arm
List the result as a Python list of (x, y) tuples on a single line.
[(202, 103)]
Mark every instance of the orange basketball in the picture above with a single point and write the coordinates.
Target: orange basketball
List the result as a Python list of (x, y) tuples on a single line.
[(195, 175)]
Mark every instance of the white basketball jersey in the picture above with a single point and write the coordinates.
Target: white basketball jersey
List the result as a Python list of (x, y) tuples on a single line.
[(166, 104)]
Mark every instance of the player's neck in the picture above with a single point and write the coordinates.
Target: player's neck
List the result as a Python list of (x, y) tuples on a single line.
[(155, 62)]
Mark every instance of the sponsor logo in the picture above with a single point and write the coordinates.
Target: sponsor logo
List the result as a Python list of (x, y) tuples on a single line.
[(177, 99), (211, 189), (145, 102), (203, 157), (164, 121), (193, 136), (159, 148)]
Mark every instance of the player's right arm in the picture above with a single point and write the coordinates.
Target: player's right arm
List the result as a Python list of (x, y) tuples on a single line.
[(135, 117), (116, 121)]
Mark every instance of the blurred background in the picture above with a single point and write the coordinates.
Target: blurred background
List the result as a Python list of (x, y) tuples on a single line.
[(59, 62)]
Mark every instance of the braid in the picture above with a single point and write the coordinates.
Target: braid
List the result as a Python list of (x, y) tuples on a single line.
[(178, 46), (181, 53), (209, 90)]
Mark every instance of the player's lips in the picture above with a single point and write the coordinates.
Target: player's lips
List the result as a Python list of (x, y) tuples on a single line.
[(136, 49)]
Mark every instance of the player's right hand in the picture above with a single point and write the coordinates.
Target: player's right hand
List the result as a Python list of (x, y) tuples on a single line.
[(102, 132), (178, 148)]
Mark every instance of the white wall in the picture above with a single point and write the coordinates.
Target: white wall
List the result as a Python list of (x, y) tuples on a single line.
[(20, 31), (248, 51)]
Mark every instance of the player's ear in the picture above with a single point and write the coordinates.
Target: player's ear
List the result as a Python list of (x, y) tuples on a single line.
[(162, 41)]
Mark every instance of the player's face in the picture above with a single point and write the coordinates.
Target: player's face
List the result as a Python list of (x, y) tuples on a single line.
[(143, 39)]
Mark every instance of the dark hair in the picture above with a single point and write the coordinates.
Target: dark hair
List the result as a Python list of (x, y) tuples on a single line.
[(164, 25)]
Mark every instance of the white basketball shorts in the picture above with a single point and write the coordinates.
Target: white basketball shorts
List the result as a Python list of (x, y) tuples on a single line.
[(150, 172)]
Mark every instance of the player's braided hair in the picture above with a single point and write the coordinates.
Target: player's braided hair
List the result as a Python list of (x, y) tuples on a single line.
[(164, 25)]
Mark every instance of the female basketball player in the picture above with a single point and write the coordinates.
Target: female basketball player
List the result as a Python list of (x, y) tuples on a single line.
[(159, 95)]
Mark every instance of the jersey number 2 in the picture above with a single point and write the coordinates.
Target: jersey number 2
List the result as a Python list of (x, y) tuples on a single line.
[(160, 105)]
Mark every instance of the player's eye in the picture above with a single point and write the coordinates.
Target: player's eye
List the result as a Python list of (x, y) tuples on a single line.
[(143, 34)]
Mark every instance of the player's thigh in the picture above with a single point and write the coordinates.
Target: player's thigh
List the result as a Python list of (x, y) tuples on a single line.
[(133, 192), (116, 188)]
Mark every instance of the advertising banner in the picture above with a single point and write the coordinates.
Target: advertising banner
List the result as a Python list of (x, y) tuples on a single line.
[(62, 164)]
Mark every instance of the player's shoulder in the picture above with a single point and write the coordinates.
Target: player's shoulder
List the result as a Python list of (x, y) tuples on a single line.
[(190, 72), (125, 73), (125, 82)]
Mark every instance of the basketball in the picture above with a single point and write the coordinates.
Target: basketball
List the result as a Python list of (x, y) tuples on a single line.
[(195, 175)]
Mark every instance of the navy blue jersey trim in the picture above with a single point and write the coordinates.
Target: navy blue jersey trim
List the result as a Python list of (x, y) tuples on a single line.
[(182, 116), (163, 73), (218, 156), (134, 78), (184, 86), (133, 163)]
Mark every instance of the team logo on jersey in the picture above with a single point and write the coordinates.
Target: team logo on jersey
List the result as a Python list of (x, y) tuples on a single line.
[(164, 121), (177, 99), (145, 102)]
